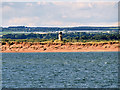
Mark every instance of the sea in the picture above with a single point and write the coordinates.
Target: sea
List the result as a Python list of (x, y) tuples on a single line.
[(60, 70)]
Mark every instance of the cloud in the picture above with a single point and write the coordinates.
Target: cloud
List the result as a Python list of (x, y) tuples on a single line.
[(73, 5), (29, 4), (39, 3), (64, 16), (7, 9), (21, 21), (42, 3), (60, 13), (33, 21), (60, 0), (11, 3)]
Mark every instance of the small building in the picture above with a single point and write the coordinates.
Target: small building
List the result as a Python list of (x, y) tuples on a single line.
[(60, 36)]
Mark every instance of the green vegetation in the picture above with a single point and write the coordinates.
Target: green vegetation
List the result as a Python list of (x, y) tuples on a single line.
[(67, 37), (27, 34)]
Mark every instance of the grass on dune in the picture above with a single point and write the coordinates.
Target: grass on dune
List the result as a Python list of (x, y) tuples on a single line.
[(57, 41)]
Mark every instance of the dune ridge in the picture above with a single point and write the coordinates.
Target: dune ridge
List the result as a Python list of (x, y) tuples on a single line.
[(59, 47)]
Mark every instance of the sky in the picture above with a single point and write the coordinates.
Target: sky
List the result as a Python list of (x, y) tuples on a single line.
[(59, 0), (59, 14)]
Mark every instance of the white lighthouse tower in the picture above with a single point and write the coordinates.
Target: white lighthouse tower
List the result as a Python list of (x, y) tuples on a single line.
[(60, 36)]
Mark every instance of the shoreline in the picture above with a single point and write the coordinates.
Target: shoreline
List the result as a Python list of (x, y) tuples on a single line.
[(27, 47), (59, 51)]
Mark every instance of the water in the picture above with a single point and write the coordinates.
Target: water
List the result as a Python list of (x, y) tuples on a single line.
[(60, 70)]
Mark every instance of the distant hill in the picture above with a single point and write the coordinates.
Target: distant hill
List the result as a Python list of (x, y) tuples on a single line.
[(53, 29)]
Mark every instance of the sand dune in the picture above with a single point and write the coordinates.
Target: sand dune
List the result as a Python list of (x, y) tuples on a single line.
[(58, 47)]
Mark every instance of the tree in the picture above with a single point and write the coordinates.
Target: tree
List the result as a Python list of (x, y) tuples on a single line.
[(71, 39), (77, 38)]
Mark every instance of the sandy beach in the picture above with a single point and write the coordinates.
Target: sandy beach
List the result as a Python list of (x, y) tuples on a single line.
[(58, 47)]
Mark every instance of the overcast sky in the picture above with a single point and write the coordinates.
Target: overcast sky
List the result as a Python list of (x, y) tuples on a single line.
[(60, 13)]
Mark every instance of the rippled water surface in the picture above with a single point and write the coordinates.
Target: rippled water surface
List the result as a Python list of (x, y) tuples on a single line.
[(60, 70)]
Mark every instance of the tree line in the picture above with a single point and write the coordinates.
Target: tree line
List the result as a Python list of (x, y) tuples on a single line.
[(78, 36)]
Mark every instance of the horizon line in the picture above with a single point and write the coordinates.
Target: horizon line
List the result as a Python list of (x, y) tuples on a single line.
[(65, 26)]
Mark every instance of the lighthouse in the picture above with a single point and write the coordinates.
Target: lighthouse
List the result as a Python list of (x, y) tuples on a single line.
[(60, 36)]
